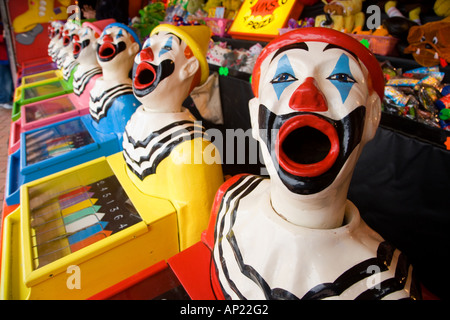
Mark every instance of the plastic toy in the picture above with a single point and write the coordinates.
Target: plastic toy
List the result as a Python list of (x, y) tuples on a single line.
[(232, 7), (312, 87), (442, 8), (164, 148)]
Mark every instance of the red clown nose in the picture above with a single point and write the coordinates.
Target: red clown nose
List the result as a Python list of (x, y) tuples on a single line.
[(147, 54), (308, 98)]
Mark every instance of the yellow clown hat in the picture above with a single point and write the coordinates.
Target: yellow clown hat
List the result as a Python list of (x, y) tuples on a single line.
[(197, 37)]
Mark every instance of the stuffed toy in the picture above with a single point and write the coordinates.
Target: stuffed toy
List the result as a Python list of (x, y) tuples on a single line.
[(398, 25), (442, 8), (429, 44), (341, 15), (232, 7)]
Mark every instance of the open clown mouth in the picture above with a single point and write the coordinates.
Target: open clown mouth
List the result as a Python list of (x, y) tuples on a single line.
[(145, 76), (308, 149), (76, 49), (307, 145), (66, 41), (107, 51)]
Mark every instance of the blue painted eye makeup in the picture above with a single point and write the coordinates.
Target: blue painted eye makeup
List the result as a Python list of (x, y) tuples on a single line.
[(119, 34), (284, 75), (167, 47), (342, 78)]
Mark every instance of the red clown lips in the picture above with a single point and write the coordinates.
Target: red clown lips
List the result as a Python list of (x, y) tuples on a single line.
[(66, 40), (307, 145), (76, 49), (106, 51), (145, 76)]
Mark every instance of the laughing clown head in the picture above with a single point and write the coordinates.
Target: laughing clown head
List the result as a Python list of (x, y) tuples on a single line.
[(172, 62), (116, 47), (84, 43), (318, 96)]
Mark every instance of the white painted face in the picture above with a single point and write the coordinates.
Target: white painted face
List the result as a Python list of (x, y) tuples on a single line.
[(116, 49), (163, 68), (84, 45), (65, 53), (311, 113), (70, 29), (55, 30)]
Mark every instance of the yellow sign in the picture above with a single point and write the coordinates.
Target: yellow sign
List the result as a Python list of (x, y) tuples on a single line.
[(262, 19)]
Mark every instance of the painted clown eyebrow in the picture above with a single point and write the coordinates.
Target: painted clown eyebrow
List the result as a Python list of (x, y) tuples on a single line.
[(334, 46), (173, 34), (298, 45)]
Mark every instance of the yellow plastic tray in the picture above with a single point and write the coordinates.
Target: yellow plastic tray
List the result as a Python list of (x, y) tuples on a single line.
[(95, 267)]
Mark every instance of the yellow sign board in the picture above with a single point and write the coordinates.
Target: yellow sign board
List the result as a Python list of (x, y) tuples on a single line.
[(262, 19)]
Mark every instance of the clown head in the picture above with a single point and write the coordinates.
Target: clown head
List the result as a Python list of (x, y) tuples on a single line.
[(70, 31), (116, 47), (84, 43), (171, 63), (55, 29), (317, 102)]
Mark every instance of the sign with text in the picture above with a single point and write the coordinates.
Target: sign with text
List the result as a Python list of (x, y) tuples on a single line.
[(262, 19)]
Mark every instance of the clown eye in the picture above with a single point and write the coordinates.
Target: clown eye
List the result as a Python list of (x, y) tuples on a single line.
[(283, 77), (120, 34), (342, 77), (167, 47)]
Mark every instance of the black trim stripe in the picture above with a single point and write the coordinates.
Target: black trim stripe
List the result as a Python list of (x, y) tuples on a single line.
[(162, 147), (79, 83), (99, 106), (248, 184), (67, 70), (144, 143)]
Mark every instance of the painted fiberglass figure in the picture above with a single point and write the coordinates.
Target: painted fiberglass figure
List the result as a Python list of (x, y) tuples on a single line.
[(295, 235), (165, 148)]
